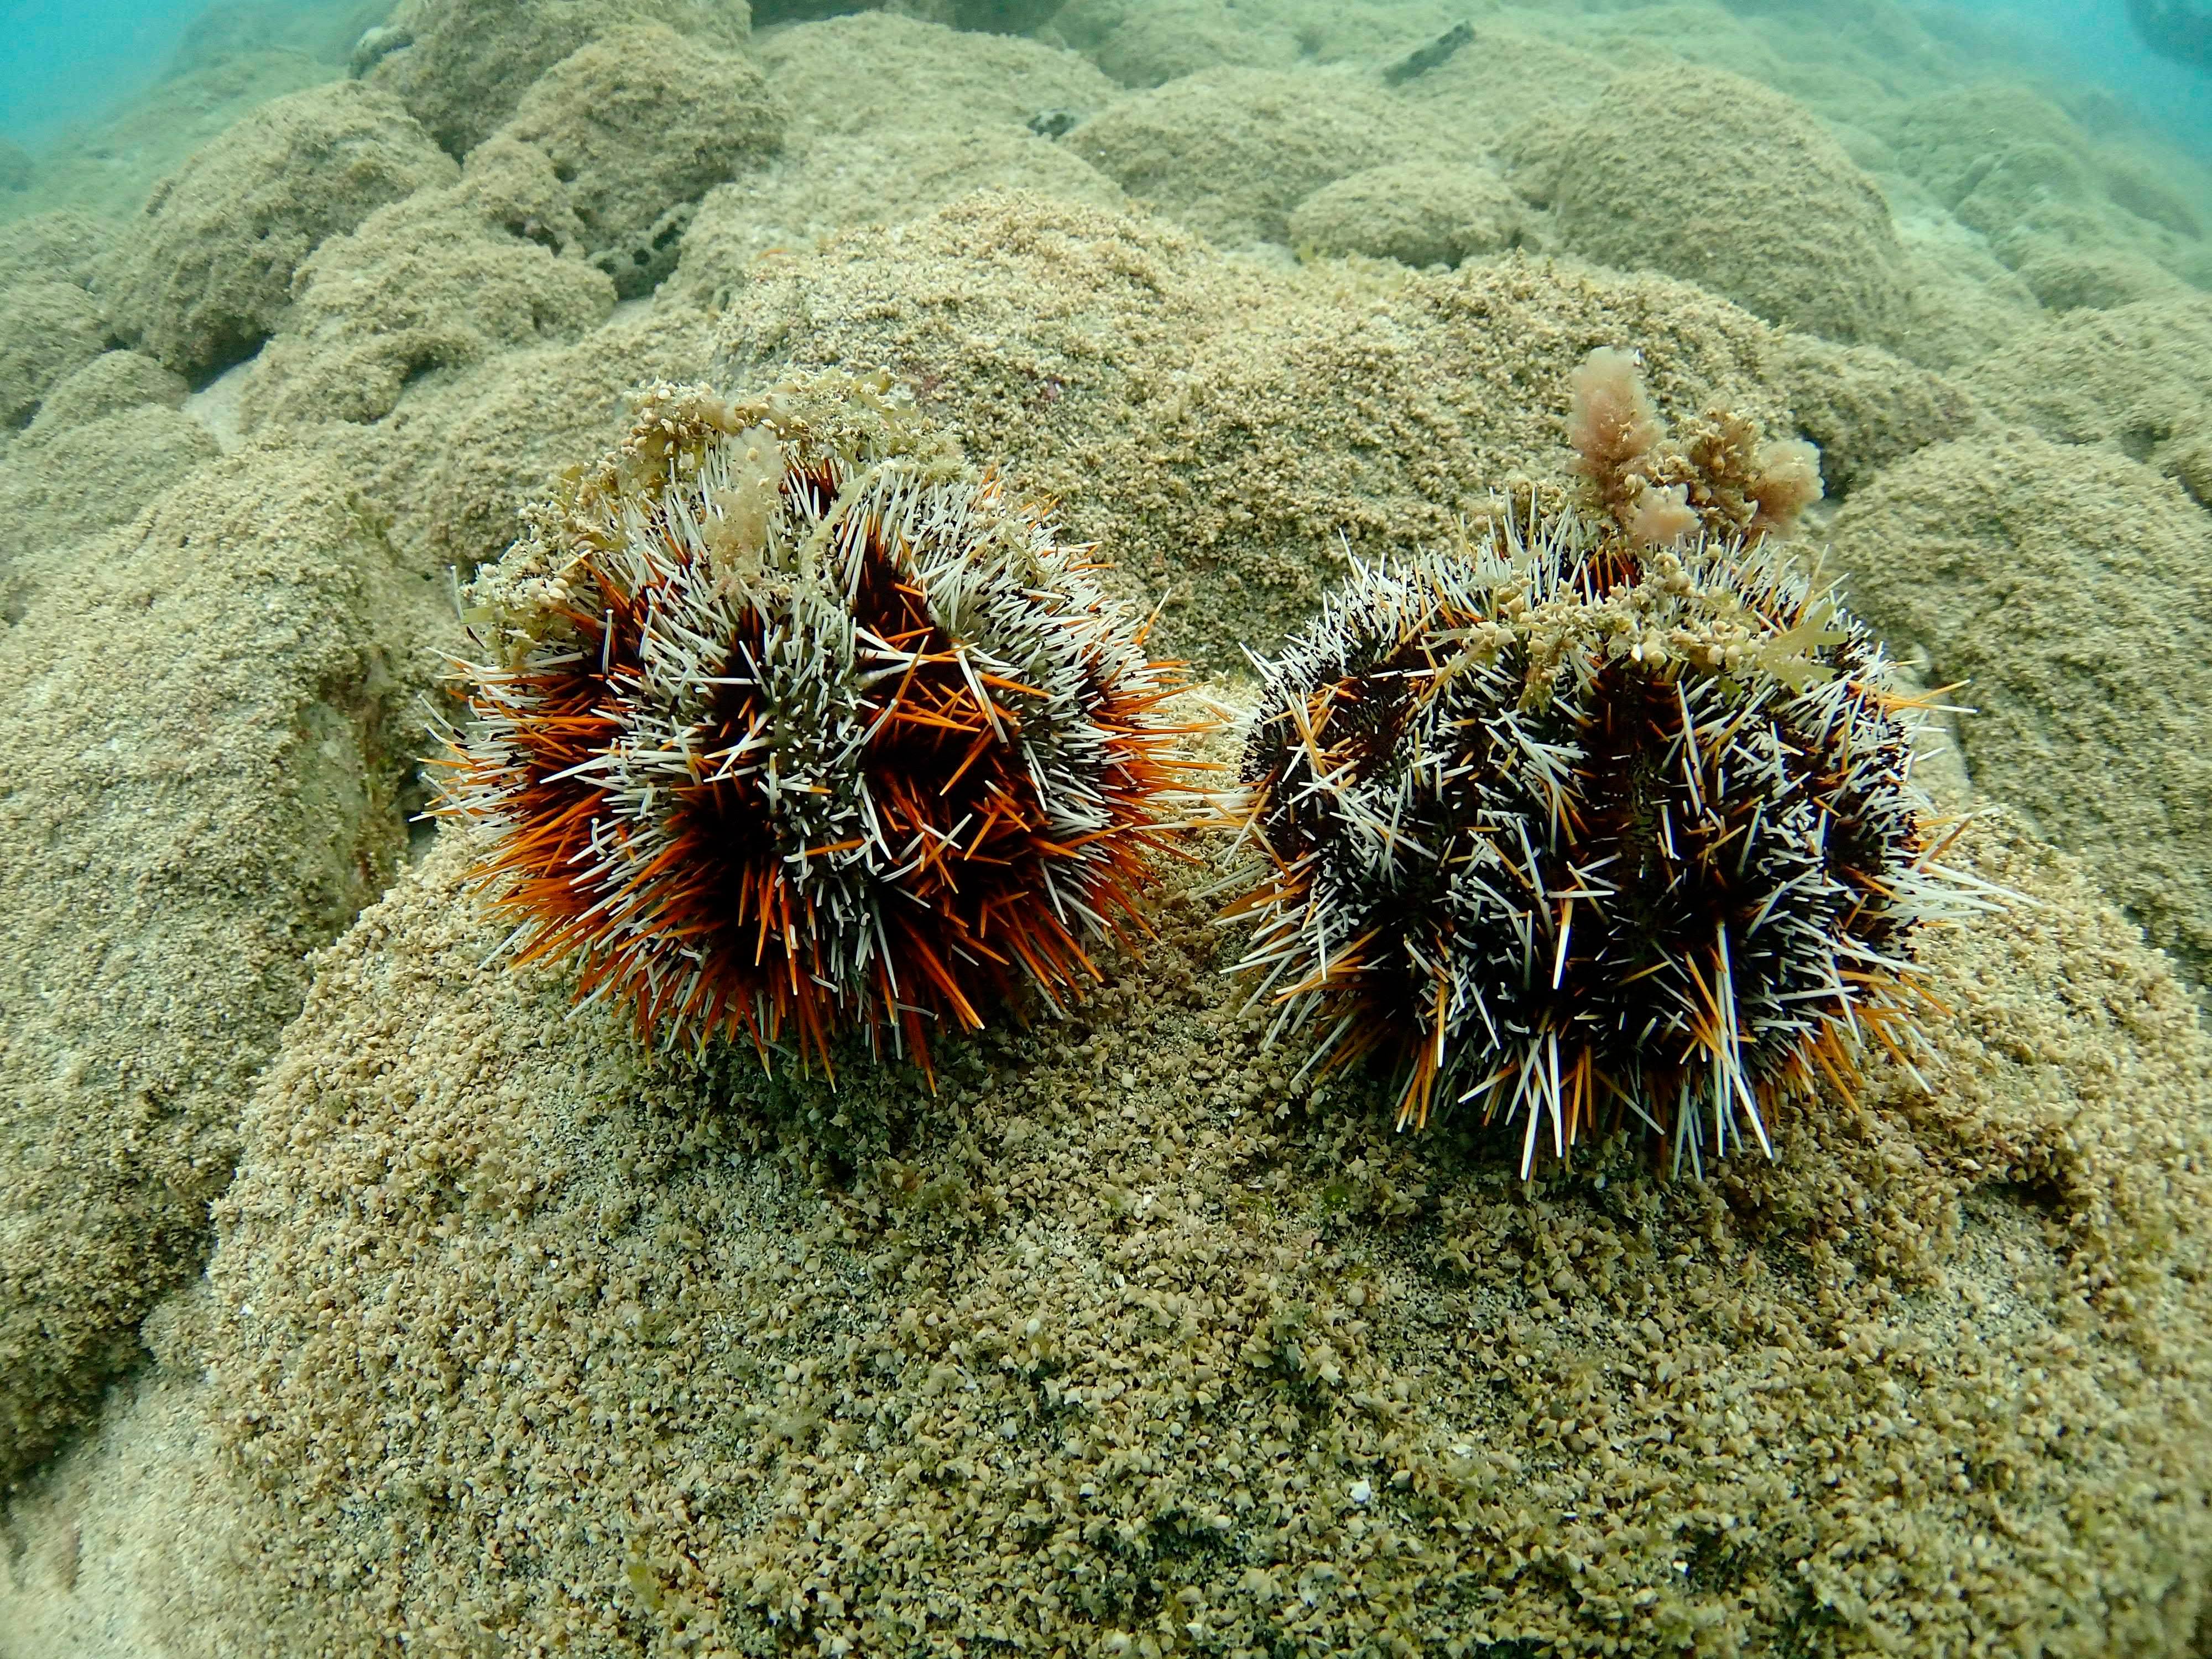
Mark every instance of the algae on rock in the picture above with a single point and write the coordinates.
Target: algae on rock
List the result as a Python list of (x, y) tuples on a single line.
[(2070, 589), (638, 125), (462, 65), (1709, 176), (1123, 1333), (205, 274), (199, 736)]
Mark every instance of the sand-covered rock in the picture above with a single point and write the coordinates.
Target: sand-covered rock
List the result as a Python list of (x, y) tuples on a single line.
[(47, 330), (1228, 428), (639, 125), (2070, 589), (947, 114), (112, 381), (2014, 167), (846, 76), (61, 486), (1962, 304), (205, 274), (201, 790), (873, 179), (1230, 151), (462, 65), (1711, 177), (1506, 90), (1147, 43), (108, 439), (1418, 213), (448, 470), (1143, 43), (435, 282), (2132, 377), (1864, 407), (1121, 1341), (2072, 279), (60, 245)]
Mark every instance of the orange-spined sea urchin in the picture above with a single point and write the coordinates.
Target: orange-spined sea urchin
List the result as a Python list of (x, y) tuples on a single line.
[(791, 724), (1569, 826)]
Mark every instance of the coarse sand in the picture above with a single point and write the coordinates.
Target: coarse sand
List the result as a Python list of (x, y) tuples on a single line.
[(519, 1338)]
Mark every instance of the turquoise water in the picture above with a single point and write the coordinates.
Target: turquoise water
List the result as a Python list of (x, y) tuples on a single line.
[(2092, 42), (61, 63), (65, 62)]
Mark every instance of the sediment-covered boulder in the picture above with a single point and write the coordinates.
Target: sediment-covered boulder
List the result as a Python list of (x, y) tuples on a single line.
[(1707, 175), (2069, 588), (639, 125), (462, 65), (204, 274), (202, 778)]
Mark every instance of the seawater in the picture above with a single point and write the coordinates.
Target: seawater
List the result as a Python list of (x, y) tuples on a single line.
[(2085, 45), (65, 63)]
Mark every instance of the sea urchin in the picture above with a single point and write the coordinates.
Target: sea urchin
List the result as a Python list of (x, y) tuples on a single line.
[(1569, 825), (791, 724)]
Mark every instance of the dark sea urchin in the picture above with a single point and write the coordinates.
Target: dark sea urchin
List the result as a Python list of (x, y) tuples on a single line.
[(789, 723), (1570, 825)]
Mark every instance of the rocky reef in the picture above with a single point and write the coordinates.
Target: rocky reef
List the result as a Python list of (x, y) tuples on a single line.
[(360, 1295)]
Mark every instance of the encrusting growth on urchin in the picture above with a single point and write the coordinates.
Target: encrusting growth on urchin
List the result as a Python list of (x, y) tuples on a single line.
[(790, 723), (1723, 479), (1606, 812)]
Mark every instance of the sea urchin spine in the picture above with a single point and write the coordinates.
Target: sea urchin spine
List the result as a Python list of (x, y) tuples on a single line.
[(790, 724), (1567, 826)]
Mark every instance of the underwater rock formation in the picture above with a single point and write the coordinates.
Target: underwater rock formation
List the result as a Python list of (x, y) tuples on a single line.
[(47, 330), (2014, 166), (174, 841), (639, 125), (1711, 177), (1219, 426), (922, 77), (1120, 1340), (2079, 614), (462, 65), (1232, 151), (1863, 407), (205, 274), (110, 382), (62, 488), (437, 282), (1417, 213)]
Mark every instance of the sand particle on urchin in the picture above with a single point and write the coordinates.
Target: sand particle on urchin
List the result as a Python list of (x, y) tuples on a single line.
[(1571, 826), (791, 724)]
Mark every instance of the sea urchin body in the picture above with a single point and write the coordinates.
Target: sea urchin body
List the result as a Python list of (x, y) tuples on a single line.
[(791, 724), (1570, 828)]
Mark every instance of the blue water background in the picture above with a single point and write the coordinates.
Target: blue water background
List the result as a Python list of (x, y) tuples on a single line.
[(2082, 43), (65, 62)]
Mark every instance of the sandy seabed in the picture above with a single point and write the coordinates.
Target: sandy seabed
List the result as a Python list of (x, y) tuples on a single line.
[(357, 1296)]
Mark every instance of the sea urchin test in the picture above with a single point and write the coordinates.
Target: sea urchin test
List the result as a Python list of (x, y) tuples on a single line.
[(789, 723), (1609, 812)]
